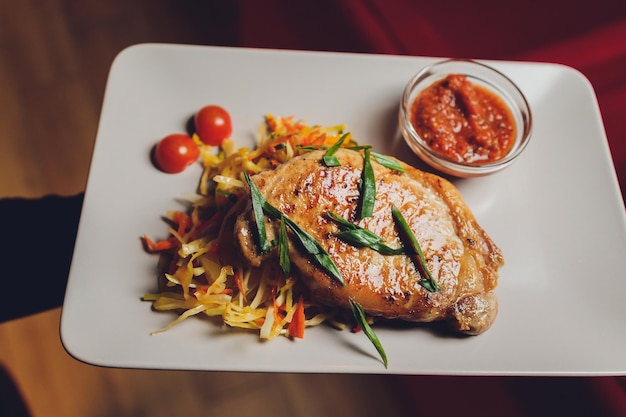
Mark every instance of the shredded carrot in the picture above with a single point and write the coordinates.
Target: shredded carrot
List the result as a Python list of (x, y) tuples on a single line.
[(318, 139), (239, 285), (270, 121), (197, 291), (272, 146), (288, 122), (182, 220), (160, 245), (296, 327), (277, 313)]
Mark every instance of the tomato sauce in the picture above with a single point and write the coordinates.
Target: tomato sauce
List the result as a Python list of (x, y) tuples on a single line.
[(463, 122)]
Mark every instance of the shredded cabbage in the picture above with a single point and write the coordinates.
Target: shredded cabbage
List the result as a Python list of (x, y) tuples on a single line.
[(196, 278)]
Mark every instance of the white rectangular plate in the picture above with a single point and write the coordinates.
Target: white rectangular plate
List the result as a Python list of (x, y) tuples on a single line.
[(557, 214)]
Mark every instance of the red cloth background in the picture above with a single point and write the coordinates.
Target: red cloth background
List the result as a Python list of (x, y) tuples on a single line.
[(587, 35)]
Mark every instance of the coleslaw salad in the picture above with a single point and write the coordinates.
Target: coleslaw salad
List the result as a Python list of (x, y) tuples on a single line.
[(196, 279)]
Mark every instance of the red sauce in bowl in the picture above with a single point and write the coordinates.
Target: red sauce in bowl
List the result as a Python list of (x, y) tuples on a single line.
[(463, 122)]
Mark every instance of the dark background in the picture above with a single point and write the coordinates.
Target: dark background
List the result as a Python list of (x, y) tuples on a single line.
[(54, 59)]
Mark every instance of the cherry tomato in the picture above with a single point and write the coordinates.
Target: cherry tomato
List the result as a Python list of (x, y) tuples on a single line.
[(175, 152), (213, 125)]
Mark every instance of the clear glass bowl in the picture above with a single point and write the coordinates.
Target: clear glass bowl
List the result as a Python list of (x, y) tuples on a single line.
[(481, 75)]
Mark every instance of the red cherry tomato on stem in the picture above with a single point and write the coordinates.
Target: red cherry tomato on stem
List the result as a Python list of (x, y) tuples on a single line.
[(175, 152), (213, 125)]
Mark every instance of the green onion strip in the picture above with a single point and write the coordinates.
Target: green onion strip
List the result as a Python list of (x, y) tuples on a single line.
[(429, 283), (283, 249), (388, 162), (368, 186), (315, 251), (359, 315), (330, 160), (361, 237), (259, 218)]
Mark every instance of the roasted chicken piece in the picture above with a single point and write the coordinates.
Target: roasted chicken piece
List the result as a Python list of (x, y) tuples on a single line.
[(461, 257)]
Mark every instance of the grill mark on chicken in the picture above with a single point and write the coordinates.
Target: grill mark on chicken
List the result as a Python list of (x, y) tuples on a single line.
[(461, 257)]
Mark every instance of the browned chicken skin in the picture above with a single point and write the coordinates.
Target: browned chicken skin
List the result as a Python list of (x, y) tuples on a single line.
[(461, 257)]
